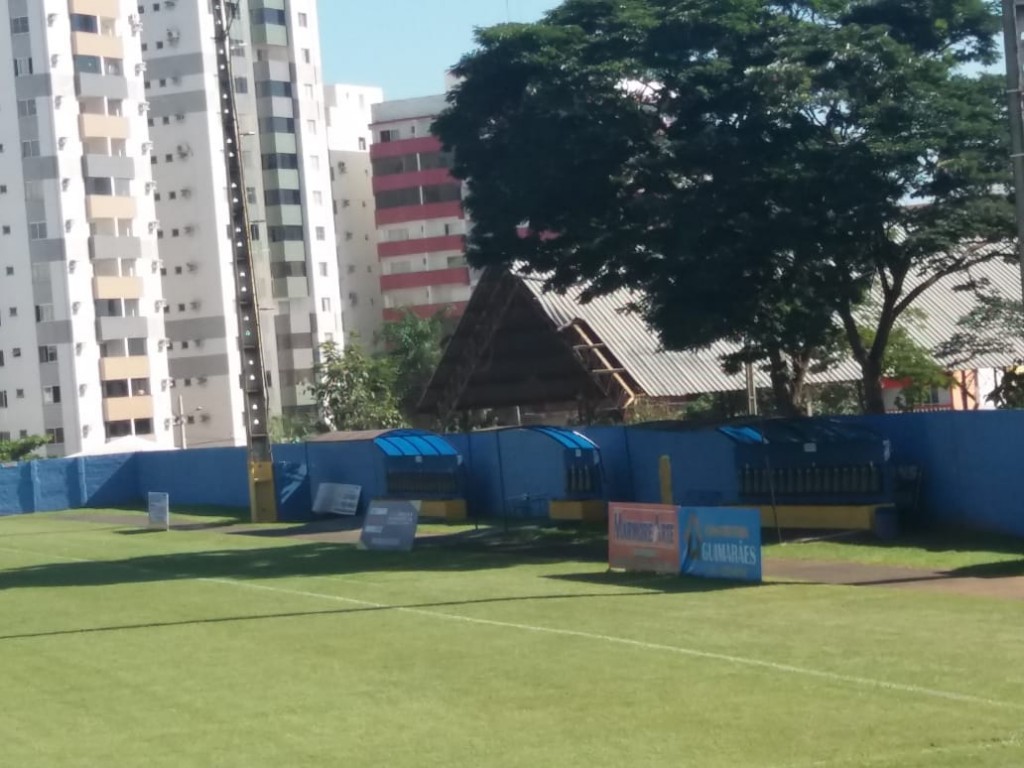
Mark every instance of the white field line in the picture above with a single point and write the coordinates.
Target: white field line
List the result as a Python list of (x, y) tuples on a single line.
[(788, 669)]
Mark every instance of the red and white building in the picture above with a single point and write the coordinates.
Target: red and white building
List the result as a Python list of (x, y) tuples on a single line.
[(421, 227)]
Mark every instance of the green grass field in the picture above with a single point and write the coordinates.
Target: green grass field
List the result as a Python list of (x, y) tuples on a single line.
[(211, 648)]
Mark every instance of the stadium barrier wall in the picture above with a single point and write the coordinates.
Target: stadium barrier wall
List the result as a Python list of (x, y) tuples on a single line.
[(971, 465)]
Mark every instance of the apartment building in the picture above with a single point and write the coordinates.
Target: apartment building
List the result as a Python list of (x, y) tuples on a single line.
[(81, 357), (420, 224), (279, 97), (348, 137)]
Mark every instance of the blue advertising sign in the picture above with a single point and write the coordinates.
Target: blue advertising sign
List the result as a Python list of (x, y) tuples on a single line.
[(719, 543)]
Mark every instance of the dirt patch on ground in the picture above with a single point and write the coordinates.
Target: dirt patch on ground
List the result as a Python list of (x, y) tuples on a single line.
[(981, 581)]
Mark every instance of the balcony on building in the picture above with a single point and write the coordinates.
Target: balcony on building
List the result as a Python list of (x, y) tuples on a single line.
[(109, 207), (111, 328), (113, 287), (102, 247), (127, 408), (94, 44), (105, 9), (124, 367)]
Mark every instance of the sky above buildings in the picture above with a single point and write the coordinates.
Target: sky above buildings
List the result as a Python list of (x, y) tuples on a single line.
[(405, 46)]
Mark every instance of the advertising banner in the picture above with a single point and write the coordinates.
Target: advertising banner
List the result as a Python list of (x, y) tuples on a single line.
[(708, 542), (643, 537), (721, 543)]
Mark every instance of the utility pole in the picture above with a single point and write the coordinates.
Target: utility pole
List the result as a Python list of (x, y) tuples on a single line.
[(1013, 26), (262, 496)]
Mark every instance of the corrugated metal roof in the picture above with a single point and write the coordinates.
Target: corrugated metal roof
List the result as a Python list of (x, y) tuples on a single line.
[(673, 374)]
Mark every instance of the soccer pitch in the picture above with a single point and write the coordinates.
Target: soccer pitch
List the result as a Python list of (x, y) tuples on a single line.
[(208, 648)]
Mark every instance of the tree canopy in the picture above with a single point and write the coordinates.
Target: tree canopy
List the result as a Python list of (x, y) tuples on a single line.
[(22, 448), (750, 170), (356, 390)]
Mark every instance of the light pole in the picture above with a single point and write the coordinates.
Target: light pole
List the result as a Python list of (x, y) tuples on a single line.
[(179, 420)]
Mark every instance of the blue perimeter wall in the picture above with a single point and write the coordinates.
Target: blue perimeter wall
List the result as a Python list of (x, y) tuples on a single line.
[(972, 463)]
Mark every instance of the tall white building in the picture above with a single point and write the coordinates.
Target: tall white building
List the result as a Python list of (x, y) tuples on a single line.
[(280, 101), (81, 326), (349, 138)]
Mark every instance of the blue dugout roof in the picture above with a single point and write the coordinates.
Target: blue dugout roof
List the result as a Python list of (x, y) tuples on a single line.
[(567, 438), (799, 431), (413, 442)]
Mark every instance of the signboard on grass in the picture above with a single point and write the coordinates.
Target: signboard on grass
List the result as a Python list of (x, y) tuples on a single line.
[(337, 499), (159, 511), (721, 543), (709, 542), (390, 526), (643, 537)]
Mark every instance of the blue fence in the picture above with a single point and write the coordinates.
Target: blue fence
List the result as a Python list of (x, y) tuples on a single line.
[(972, 474)]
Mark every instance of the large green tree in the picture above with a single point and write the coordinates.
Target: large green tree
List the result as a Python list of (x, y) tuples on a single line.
[(354, 390), (750, 170), (413, 345)]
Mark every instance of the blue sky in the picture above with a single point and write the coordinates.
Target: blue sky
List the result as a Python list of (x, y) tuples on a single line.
[(405, 46)]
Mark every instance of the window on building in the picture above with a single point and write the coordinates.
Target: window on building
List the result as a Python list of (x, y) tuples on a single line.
[(56, 435), (321, 233), (23, 66), (26, 107), (37, 230), (88, 65), (268, 88), (307, 56), (19, 25), (51, 395), (303, 20), (325, 304), (283, 197), (19, 394), (323, 269), (3, 398), (48, 353), (30, 148), (311, 126), (390, 134), (81, 22), (318, 197), (241, 85), (362, 144), (16, 352), (269, 16)]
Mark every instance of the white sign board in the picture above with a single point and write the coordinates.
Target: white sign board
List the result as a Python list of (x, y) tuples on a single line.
[(159, 509), (337, 499)]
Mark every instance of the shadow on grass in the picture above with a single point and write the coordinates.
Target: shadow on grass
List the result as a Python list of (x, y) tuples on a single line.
[(654, 583), (303, 559), (355, 609)]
